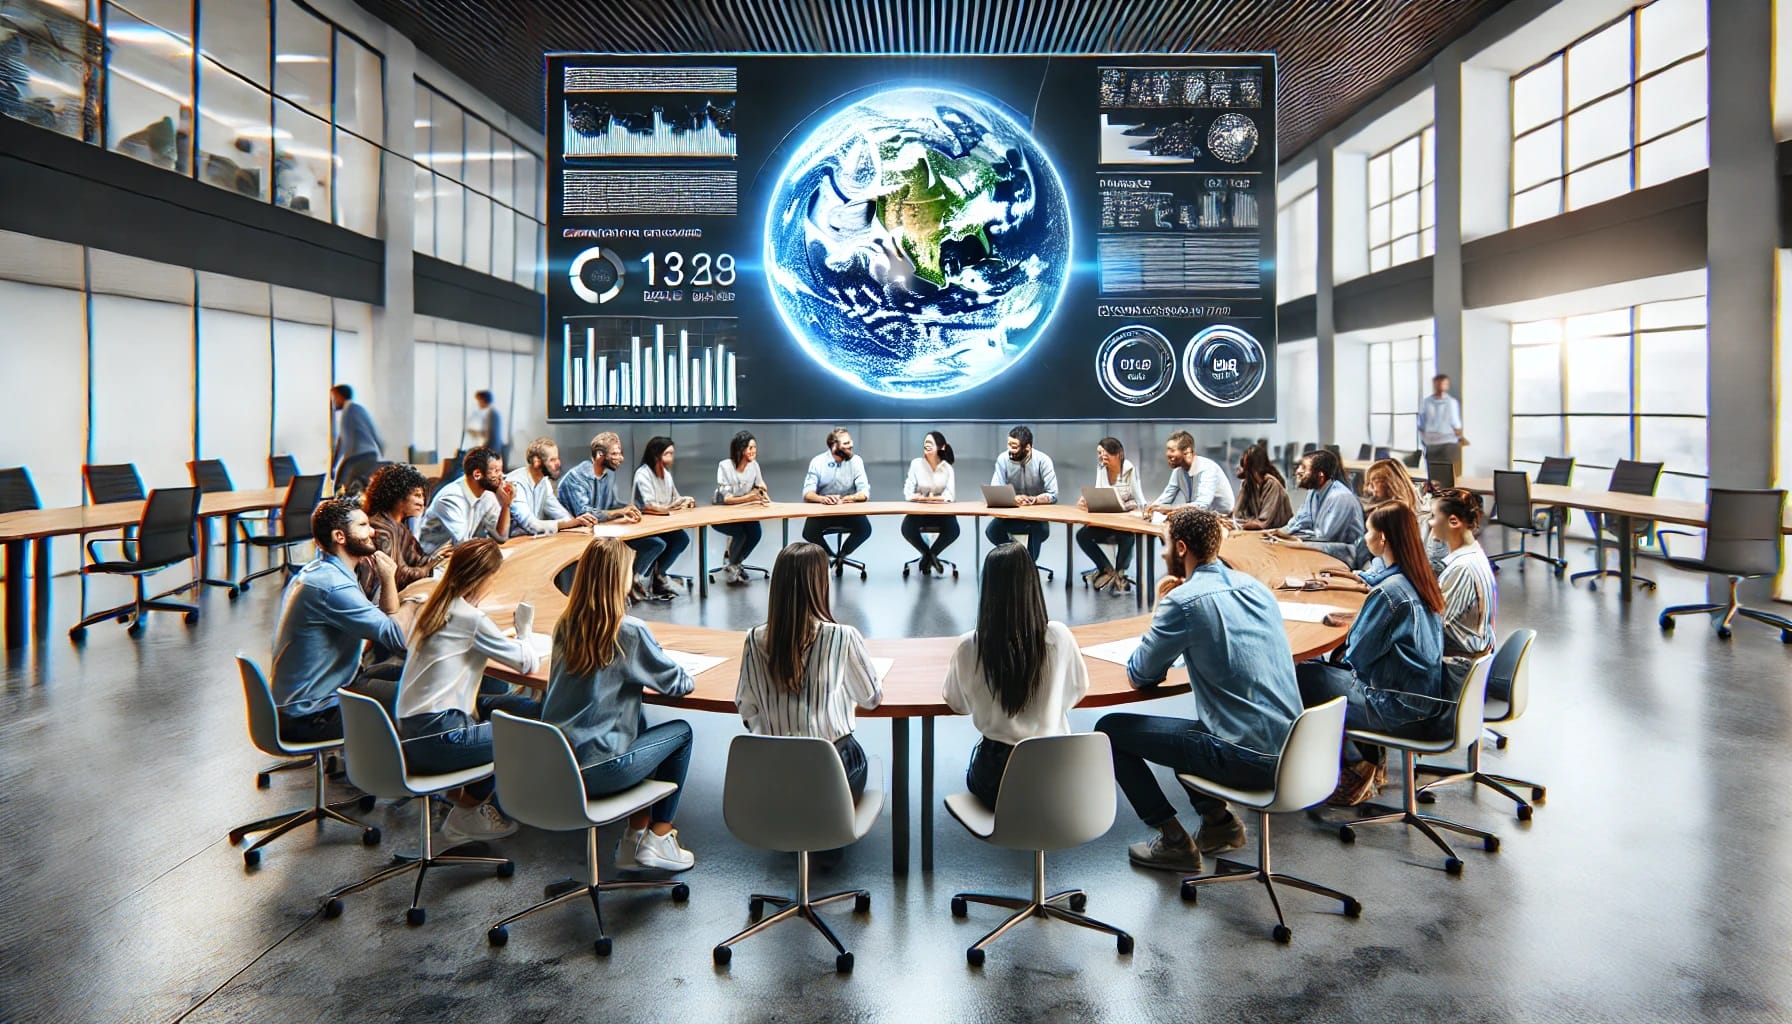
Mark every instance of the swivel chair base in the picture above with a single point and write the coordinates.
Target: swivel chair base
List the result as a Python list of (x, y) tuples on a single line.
[(1731, 608), (1062, 906), (946, 562), (803, 907), (278, 825), (1597, 574), (839, 562), (132, 614), (427, 858), (1408, 814), (499, 934), (1235, 871), (748, 569), (1560, 565), (1504, 785)]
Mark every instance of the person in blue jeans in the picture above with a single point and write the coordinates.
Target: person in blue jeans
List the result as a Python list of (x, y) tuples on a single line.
[(602, 658), (1227, 629), (1035, 482)]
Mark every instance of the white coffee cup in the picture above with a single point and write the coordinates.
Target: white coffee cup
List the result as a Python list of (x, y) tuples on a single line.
[(525, 619)]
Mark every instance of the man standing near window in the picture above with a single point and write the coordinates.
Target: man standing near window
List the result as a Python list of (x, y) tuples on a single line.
[(1440, 425), (486, 426), (358, 444)]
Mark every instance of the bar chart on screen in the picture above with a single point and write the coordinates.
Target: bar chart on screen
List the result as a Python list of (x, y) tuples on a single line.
[(647, 365)]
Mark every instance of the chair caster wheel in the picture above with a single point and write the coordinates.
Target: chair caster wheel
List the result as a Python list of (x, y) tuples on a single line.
[(415, 916), (1353, 908), (1491, 844), (371, 837), (681, 893), (905, 572), (755, 910), (192, 618), (1723, 632), (861, 904), (864, 576), (1524, 812), (243, 587), (135, 628), (1539, 794), (1425, 796), (1281, 934), (122, 619), (233, 593), (1190, 893), (506, 869), (721, 955), (1453, 866), (498, 936), (1559, 572), (1786, 636), (1078, 902), (602, 946), (263, 780), (1123, 944), (251, 858), (974, 957), (955, 576), (333, 908), (1500, 744), (78, 634), (843, 963), (959, 907), (1666, 623), (1346, 833)]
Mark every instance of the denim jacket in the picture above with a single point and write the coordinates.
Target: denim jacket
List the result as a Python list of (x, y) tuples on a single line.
[(600, 712), (1396, 649), (324, 616)]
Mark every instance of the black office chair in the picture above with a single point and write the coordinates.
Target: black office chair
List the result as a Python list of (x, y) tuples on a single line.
[(1383, 452), (1411, 458), (840, 562), (1742, 541), (281, 470), (210, 476), (17, 492), (117, 482), (164, 537), (1512, 510), (929, 531), (302, 496), (1364, 451), (1335, 449), (1440, 474), (1628, 477), (422, 456), (1555, 472)]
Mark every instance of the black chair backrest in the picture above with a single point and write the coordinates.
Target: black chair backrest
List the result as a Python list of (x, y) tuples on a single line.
[(1556, 472), (1383, 452), (107, 484), (281, 469), (1309, 447), (165, 534), (302, 496), (1440, 473), (17, 492), (1511, 498), (1335, 449), (422, 456), (1635, 477), (210, 476), (1742, 532), (1412, 458), (1364, 452)]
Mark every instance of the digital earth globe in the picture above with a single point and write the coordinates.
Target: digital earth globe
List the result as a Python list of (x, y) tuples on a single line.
[(917, 242)]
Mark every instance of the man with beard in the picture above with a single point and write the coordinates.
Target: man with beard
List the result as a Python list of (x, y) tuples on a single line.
[(536, 509), (1194, 480), (1331, 519), (592, 488), (476, 505), (324, 617), (837, 477), (1035, 482)]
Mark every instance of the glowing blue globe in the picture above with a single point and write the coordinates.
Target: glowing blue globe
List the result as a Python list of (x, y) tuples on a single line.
[(917, 242)]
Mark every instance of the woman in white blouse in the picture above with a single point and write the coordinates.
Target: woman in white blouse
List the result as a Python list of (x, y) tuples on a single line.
[(1112, 469), (441, 713), (802, 673), (930, 482), (739, 482), (1018, 675), (658, 495)]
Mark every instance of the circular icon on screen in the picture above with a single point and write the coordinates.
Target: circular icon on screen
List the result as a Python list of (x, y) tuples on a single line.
[(1224, 366), (1136, 365), (1232, 138), (596, 275)]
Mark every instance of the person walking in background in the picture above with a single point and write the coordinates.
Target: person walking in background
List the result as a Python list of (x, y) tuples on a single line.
[(486, 426), (1440, 426), (358, 445)]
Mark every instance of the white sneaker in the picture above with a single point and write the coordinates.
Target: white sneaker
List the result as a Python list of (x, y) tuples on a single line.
[(662, 853), (626, 847), (476, 824), (736, 574)]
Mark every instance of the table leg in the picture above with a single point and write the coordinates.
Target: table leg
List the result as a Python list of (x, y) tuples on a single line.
[(927, 795), (702, 561), (17, 618), (899, 795), (1151, 562), (230, 531), (1069, 556), (786, 523), (1626, 558), (41, 577), (1138, 575)]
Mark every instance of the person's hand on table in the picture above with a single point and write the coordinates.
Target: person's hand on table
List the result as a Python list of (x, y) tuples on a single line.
[(1083, 503)]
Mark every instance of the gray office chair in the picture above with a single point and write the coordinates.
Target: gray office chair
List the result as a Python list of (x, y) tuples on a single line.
[(210, 476), (1057, 792), (1555, 472), (540, 785), (1411, 459), (1364, 451), (1628, 477), (302, 497), (1508, 694), (1512, 510), (1742, 541), (164, 537), (264, 732), (929, 531), (790, 793), (839, 562), (376, 766), (1469, 710), (1440, 474), (1306, 773), (281, 470)]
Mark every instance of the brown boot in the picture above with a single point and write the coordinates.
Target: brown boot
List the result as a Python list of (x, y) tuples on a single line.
[(1356, 784)]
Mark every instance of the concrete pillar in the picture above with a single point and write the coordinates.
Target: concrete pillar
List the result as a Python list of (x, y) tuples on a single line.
[(1322, 297), (394, 321), (1446, 264)]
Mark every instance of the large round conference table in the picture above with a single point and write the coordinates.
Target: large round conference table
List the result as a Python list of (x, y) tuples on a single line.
[(912, 689)]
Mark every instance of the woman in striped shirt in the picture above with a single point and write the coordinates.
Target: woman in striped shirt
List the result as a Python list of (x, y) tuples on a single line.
[(1470, 595), (801, 673)]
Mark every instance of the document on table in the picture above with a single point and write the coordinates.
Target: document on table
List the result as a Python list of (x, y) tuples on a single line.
[(883, 666), (695, 664), (1296, 611), (1118, 651)]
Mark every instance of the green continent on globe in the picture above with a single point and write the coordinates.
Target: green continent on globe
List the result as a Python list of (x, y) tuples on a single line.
[(928, 200)]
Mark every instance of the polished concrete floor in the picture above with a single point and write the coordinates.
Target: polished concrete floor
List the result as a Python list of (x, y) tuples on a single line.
[(1651, 886)]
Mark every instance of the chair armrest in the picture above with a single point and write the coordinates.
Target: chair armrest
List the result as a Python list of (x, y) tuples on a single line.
[(1661, 539), (125, 548)]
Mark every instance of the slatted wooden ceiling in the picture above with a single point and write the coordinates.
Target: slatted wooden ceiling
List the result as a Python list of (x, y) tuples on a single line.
[(1335, 55)]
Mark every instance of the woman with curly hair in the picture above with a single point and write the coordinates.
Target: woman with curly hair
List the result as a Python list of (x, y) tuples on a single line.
[(396, 492)]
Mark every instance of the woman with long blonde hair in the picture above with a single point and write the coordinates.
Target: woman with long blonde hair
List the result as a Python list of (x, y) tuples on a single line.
[(440, 710), (602, 659)]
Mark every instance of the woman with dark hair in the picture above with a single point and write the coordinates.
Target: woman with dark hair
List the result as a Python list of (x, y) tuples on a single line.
[(396, 493), (739, 482), (1470, 595), (801, 673), (602, 659), (1262, 494), (1018, 675), (658, 495), (1392, 668), (441, 711), (1112, 469), (930, 482)]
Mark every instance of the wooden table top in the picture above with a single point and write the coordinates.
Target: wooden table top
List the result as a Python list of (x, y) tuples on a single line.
[(32, 524), (1637, 506)]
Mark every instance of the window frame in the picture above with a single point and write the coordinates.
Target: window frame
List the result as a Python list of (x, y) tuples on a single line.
[(424, 163), (1425, 368), (1424, 229)]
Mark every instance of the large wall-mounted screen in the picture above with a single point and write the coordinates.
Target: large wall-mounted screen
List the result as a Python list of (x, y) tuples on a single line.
[(982, 238)]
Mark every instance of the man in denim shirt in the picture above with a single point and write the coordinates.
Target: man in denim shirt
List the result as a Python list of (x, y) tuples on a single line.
[(1035, 482), (1227, 629), (590, 487), (1331, 519), (323, 619)]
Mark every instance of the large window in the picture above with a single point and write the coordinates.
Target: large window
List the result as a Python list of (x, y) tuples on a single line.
[(1619, 109), (1297, 245), (478, 193), (1400, 375), (1403, 201), (1623, 384)]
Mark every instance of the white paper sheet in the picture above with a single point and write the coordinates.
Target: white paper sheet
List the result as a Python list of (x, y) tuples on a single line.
[(695, 664), (1300, 612), (883, 666), (1118, 651)]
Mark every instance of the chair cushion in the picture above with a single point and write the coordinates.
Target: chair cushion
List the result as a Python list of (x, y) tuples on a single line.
[(605, 809), (1382, 739), (125, 568), (421, 784), (977, 819), (299, 748), (1700, 565), (1497, 711), (1256, 799)]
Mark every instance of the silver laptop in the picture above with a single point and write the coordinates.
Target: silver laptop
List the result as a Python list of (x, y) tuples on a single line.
[(999, 496), (1103, 499)]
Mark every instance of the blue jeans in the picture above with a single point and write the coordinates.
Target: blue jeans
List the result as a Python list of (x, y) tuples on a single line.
[(1182, 745), (1091, 538), (655, 555), (857, 530), (947, 527), (742, 539), (1320, 681), (1001, 531), (450, 741), (662, 752)]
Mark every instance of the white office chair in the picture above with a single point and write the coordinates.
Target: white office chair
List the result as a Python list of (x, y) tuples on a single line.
[(376, 764), (539, 782), (1467, 733), (264, 732), (1057, 792), (790, 793), (1511, 674), (1306, 773)]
